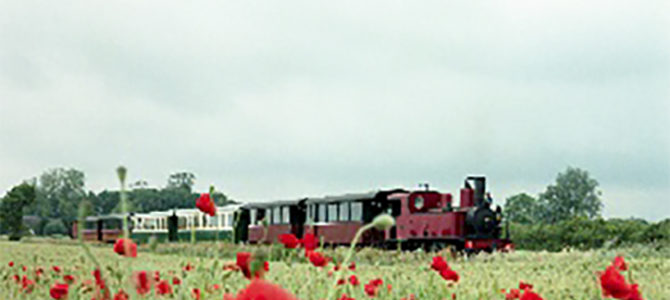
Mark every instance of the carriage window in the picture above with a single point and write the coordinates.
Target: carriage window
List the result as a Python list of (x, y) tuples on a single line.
[(252, 214), (231, 218), (262, 215), (112, 224), (322, 213), (91, 225), (332, 212), (285, 215), (356, 211), (181, 223), (276, 215), (344, 211)]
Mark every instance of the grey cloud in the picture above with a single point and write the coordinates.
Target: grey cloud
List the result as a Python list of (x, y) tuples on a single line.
[(284, 100)]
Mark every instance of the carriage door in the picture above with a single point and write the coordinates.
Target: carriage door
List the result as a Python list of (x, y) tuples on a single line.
[(98, 226), (298, 216), (243, 217), (173, 227)]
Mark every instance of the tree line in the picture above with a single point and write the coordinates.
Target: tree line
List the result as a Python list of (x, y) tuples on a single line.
[(568, 215), (50, 202)]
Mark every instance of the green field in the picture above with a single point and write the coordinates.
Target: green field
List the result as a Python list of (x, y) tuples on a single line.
[(563, 275)]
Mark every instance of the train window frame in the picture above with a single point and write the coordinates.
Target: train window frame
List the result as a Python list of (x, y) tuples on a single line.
[(253, 213), (333, 207), (285, 214), (344, 214), (276, 215), (353, 211), (310, 213), (230, 220), (322, 213)]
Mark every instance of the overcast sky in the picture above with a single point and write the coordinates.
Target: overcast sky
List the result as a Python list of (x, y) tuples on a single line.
[(284, 99)]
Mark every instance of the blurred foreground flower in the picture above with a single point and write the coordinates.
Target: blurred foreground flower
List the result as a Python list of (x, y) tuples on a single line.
[(125, 247), (261, 289)]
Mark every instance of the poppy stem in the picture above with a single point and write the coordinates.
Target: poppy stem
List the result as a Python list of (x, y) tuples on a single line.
[(80, 232), (336, 276)]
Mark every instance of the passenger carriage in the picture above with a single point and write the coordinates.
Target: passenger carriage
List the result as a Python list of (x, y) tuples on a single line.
[(178, 224)]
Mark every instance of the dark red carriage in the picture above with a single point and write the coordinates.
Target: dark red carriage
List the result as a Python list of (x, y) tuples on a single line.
[(425, 218)]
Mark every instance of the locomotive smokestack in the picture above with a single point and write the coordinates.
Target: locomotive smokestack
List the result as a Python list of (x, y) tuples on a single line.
[(480, 189)]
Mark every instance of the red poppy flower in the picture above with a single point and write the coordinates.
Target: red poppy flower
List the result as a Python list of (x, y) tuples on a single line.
[(449, 274), (336, 268), (389, 287), (341, 281), (56, 269), (125, 247), (59, 291), (245, 261), (352, 266), (176, 281), (142, 282), (530, 295), (525, 286), (317, 259), (377, 282), (188, 267), (439, 264), (38, 273), (345, 297), (261, 289), (309, 242), (370, 290), (98, 279), (513, 294), (27, 285), (11, 264), (16, 278), (620, 263), (157, 276), (634, 293), (289, 240), (121, 295), (614, 284), (354, 280), (196, 293), (163, 288), (68, 279), (205, 204)]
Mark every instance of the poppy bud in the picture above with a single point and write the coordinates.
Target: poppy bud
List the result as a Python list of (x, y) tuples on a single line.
[(121, 172), (383, 222)]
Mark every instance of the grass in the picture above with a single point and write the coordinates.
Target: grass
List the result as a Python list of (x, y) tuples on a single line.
[(562, 275)]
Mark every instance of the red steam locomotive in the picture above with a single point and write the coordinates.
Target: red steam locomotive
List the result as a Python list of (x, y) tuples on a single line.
[(425, 219)]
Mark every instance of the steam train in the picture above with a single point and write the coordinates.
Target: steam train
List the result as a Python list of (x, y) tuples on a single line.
[(424, 218)]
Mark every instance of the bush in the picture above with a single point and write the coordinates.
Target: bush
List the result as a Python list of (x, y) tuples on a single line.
[(55, 227), (582, 233)]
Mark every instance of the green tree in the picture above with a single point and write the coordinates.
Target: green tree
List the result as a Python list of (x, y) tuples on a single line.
[(522, 208), (12, 206), (574, 194), (184, 180), (59, 192)]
